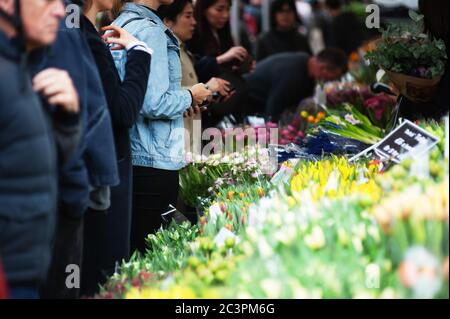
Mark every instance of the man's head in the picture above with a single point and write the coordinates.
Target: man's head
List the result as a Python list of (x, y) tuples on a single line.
[(40, 20), (329, 65)]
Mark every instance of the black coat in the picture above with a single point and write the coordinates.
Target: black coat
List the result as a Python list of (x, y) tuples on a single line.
[(274, 42), (92, 163), (125, 98), (28, 174), (107, 234)]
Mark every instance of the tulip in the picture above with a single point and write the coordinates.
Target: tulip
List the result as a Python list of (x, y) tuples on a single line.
[(260, 192)]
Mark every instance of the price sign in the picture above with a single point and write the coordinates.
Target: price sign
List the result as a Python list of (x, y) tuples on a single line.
[(406, 141)]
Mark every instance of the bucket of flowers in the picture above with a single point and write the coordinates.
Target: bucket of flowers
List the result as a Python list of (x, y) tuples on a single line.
[(414, 61)]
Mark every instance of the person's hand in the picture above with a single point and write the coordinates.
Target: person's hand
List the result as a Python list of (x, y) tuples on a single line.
[(57, 88), (200, 94), (118, 36), (219, 85), (235, 53)]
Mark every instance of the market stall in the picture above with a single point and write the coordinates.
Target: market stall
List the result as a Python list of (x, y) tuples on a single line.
[(349, 211)]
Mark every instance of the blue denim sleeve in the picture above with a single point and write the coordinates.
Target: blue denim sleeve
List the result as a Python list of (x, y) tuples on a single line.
[(161, 100)]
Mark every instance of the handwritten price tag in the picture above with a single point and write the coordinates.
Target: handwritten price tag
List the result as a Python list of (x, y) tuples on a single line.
[(406, 141)]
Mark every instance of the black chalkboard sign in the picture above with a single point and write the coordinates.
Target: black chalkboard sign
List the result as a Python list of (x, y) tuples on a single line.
[(406, 141)]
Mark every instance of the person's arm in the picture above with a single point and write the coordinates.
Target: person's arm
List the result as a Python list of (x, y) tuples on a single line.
[(160, 101), (125, 98), (62, 103), (67, 131)]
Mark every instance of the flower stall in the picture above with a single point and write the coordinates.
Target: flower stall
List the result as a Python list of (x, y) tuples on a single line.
[(315, 221)]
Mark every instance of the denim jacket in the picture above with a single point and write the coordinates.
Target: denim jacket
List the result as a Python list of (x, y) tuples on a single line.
[(157, 139)]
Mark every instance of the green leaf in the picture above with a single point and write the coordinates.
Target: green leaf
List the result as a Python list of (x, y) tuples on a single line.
[(416, 17)]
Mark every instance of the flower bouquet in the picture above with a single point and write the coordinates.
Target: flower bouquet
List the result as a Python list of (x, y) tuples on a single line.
[(339, 93), (350, 123), (377, 107), (413, 61), (201, 178)]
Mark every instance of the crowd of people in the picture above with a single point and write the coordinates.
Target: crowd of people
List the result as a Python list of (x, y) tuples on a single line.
[(88, 158)]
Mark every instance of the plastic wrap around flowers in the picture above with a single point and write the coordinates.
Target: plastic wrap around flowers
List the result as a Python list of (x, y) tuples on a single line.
[(205, 174)]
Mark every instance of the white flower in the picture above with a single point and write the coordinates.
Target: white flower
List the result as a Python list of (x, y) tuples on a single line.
[(214, 212), (265, 250), (189, 158), (219, 182), (351, 119), (315, 240), (357, 244), (420, 272), (272, 288), (225, 159)]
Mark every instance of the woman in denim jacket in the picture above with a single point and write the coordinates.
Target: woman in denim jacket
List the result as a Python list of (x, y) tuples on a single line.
[(157, 139)]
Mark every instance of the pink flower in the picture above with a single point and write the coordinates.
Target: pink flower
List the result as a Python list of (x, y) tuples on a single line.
[(296, 122), (379, 104)]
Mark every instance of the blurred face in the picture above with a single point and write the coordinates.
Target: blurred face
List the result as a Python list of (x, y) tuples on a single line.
[(41, 19), (285, 18), (185, 24), (7, 6), (325, 73), (218, 14)]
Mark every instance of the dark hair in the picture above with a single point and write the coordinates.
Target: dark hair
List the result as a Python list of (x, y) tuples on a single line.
[(172, 11), (334, 58), (78, 2), (333, 4), (277, 6), (436, 18), (203, 40)]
